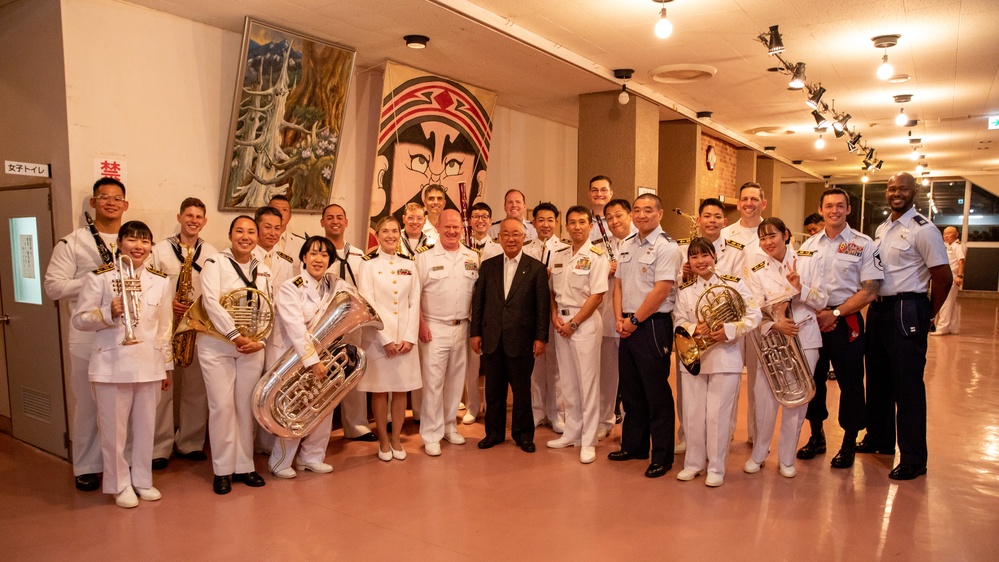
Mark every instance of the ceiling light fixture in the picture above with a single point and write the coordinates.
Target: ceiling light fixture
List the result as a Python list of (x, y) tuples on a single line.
[(885, 71), (819, 143), (865, 179), (774, 43), (920, 168), (925, 183), (815, 97), (854, 141), (915, 154), (798, 78), (704, 115), (901, 119), (623, 74), (820, 121), (840, 124), (623, 98), (416, 41), (663, 27)]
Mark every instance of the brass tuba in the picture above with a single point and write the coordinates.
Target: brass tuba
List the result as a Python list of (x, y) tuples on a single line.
[(183, 344), (721, 304), (783, 361), (250, 308), (127, 283), (289, 401)]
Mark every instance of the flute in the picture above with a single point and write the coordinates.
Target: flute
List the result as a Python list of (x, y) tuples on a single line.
[(463, 201), (603, 234)]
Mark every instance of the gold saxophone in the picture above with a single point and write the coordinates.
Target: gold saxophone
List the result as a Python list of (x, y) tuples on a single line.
[(183, 343), (694, 230)]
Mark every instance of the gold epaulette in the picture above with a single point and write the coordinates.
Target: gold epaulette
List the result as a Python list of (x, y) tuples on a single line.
[(759, 266), (731, 278), (597, 250), (156, 272), (734, 244), (424, 248), (285, 257), (688, 283), (104, 269), (299, 281), (808, 253), (371, 254), (683, 241)]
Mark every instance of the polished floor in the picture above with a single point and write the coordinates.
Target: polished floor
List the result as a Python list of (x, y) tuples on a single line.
[(504, 504)]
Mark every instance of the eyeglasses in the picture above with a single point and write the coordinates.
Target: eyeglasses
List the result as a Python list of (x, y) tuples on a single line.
[(480, 217), (115, 198)]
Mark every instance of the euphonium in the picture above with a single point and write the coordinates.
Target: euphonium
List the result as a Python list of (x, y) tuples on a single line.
[(289, 400), (250, 308), (128, 284), (183, 344), (783, 361), (721, 304)]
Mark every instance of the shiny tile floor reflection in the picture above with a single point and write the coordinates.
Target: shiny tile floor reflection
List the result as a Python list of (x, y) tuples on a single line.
[(503, 503)]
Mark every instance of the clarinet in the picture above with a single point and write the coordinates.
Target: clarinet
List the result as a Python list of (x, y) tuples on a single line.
[(466, 225), (603, 233), (106, 256)]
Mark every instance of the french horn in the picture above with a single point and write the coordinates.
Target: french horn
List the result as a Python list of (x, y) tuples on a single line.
[(718, 304), (250, 308)]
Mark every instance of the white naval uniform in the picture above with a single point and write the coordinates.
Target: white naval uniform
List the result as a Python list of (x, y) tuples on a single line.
[(546, 394), (299, 301), (391, 286), (354, 407), (949, 317), (72, 259), (710, 397), (409, 247), (447, 279), (575, 277), (529, 232), (188, 383), (768, 282), (126, 379), (609, 344), (474, 404), (431, 231), (229, 375)]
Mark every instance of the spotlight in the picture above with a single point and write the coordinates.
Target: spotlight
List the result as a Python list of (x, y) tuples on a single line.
[(816, 98), (775, 45), (868, 164), (853, 142), (820, 143), (840, 123), (798, 79), (820, 121), (663, 27), (416, 41), (838, 132), (879, 164), (870, 154), (901, 119)]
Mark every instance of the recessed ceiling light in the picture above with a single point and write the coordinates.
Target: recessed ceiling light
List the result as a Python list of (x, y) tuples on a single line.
[(416, 41), (899, 78), (682, 73)]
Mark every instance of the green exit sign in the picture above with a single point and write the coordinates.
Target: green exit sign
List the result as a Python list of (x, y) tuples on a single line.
[(993, 122)]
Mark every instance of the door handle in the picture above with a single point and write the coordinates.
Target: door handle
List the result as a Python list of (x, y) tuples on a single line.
[(4, 319)]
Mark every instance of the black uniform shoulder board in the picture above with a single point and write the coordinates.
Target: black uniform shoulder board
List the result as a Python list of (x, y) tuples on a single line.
[(688, 283), (371, 254), (759, 266), (562, 249), (597, 250), (497, 222), (734, 244), (807, 253), (424, 248), (210, 260), (630, 237), (298, 281), (285, 257), (156, 272), (683, 241), (920, 220), (410, 258), (568, 242), (104, 269), (666, 236), (731, 278), (63, 240)]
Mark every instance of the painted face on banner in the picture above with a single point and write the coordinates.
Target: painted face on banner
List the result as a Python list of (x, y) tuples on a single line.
[(433, 155)]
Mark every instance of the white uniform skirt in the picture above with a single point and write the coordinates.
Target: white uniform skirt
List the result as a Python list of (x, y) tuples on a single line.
[(390, 374)]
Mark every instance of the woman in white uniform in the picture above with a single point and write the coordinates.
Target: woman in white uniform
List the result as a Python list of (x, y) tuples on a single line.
[(231, 368), (127, 379), (784, 277), (708, 398), (299, 301), (389, 283)]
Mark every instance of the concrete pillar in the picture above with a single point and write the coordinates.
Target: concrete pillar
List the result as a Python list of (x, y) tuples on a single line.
[(768, 176), (679, 159)]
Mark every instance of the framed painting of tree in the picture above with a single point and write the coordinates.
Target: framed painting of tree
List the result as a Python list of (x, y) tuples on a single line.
[(287, 118)]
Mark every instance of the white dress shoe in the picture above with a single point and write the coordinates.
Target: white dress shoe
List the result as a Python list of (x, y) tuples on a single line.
[(286, 473), (686, 475), (454, 438), (714, 480), (461, 405), (561, 443), (558, 427), (384, 455), (432, 449), (469, 419), (680, 448), (318, 468), (126, 498), (400, 454), (149, 494), (603, 433), (752, 467), (787, 471), (587, 454)]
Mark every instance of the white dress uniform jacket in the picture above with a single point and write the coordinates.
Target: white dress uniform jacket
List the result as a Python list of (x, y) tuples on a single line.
[(282, 266), (529, 232), (725, 357)]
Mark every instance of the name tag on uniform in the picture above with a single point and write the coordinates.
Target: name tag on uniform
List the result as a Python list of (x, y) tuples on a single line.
[(437, 268), (469, 266), (403, 272), (558, 265)]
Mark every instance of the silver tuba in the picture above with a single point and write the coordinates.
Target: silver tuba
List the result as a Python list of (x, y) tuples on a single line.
[(718, 304), (289, 401), (783, 361), (128, 285)]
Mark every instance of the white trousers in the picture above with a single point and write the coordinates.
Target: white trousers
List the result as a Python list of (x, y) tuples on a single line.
[(444, 361), (578, 359), (310, 449), (123, 409), (949, 317), (546, 396), (163, 436), (608, 382), (708, 403), (229, 380), (354, 414), (83, 425), (791, 419), (473, 392), (751, 361)]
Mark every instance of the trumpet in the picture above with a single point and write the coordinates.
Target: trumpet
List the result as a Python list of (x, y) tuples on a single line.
[(783, 360), (128, 286), (718, 304)]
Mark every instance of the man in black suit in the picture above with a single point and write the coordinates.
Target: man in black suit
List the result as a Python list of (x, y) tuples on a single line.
[(510, 315)]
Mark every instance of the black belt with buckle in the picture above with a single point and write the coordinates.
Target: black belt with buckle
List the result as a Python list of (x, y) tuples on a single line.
[(455, 322), (566, 311), (902, 297)]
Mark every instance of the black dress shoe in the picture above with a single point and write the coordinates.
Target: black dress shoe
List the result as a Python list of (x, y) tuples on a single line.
[(656, 470), (194, 456), (816, 446), (906, 472), (367, 437), (865, 447), (623, 455), (160, 463), (88, 482), (221, 485), (251, 479), (489, 442), (528, 447), (844, 458)]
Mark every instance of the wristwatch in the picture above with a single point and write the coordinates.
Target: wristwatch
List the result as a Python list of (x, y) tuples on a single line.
[(836, 312), (633, 319), (573, 325)]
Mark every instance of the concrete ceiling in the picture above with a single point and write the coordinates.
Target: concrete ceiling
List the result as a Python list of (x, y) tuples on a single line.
[(539, 55)]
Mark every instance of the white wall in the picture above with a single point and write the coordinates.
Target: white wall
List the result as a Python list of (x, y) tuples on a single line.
[(792, 206)]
